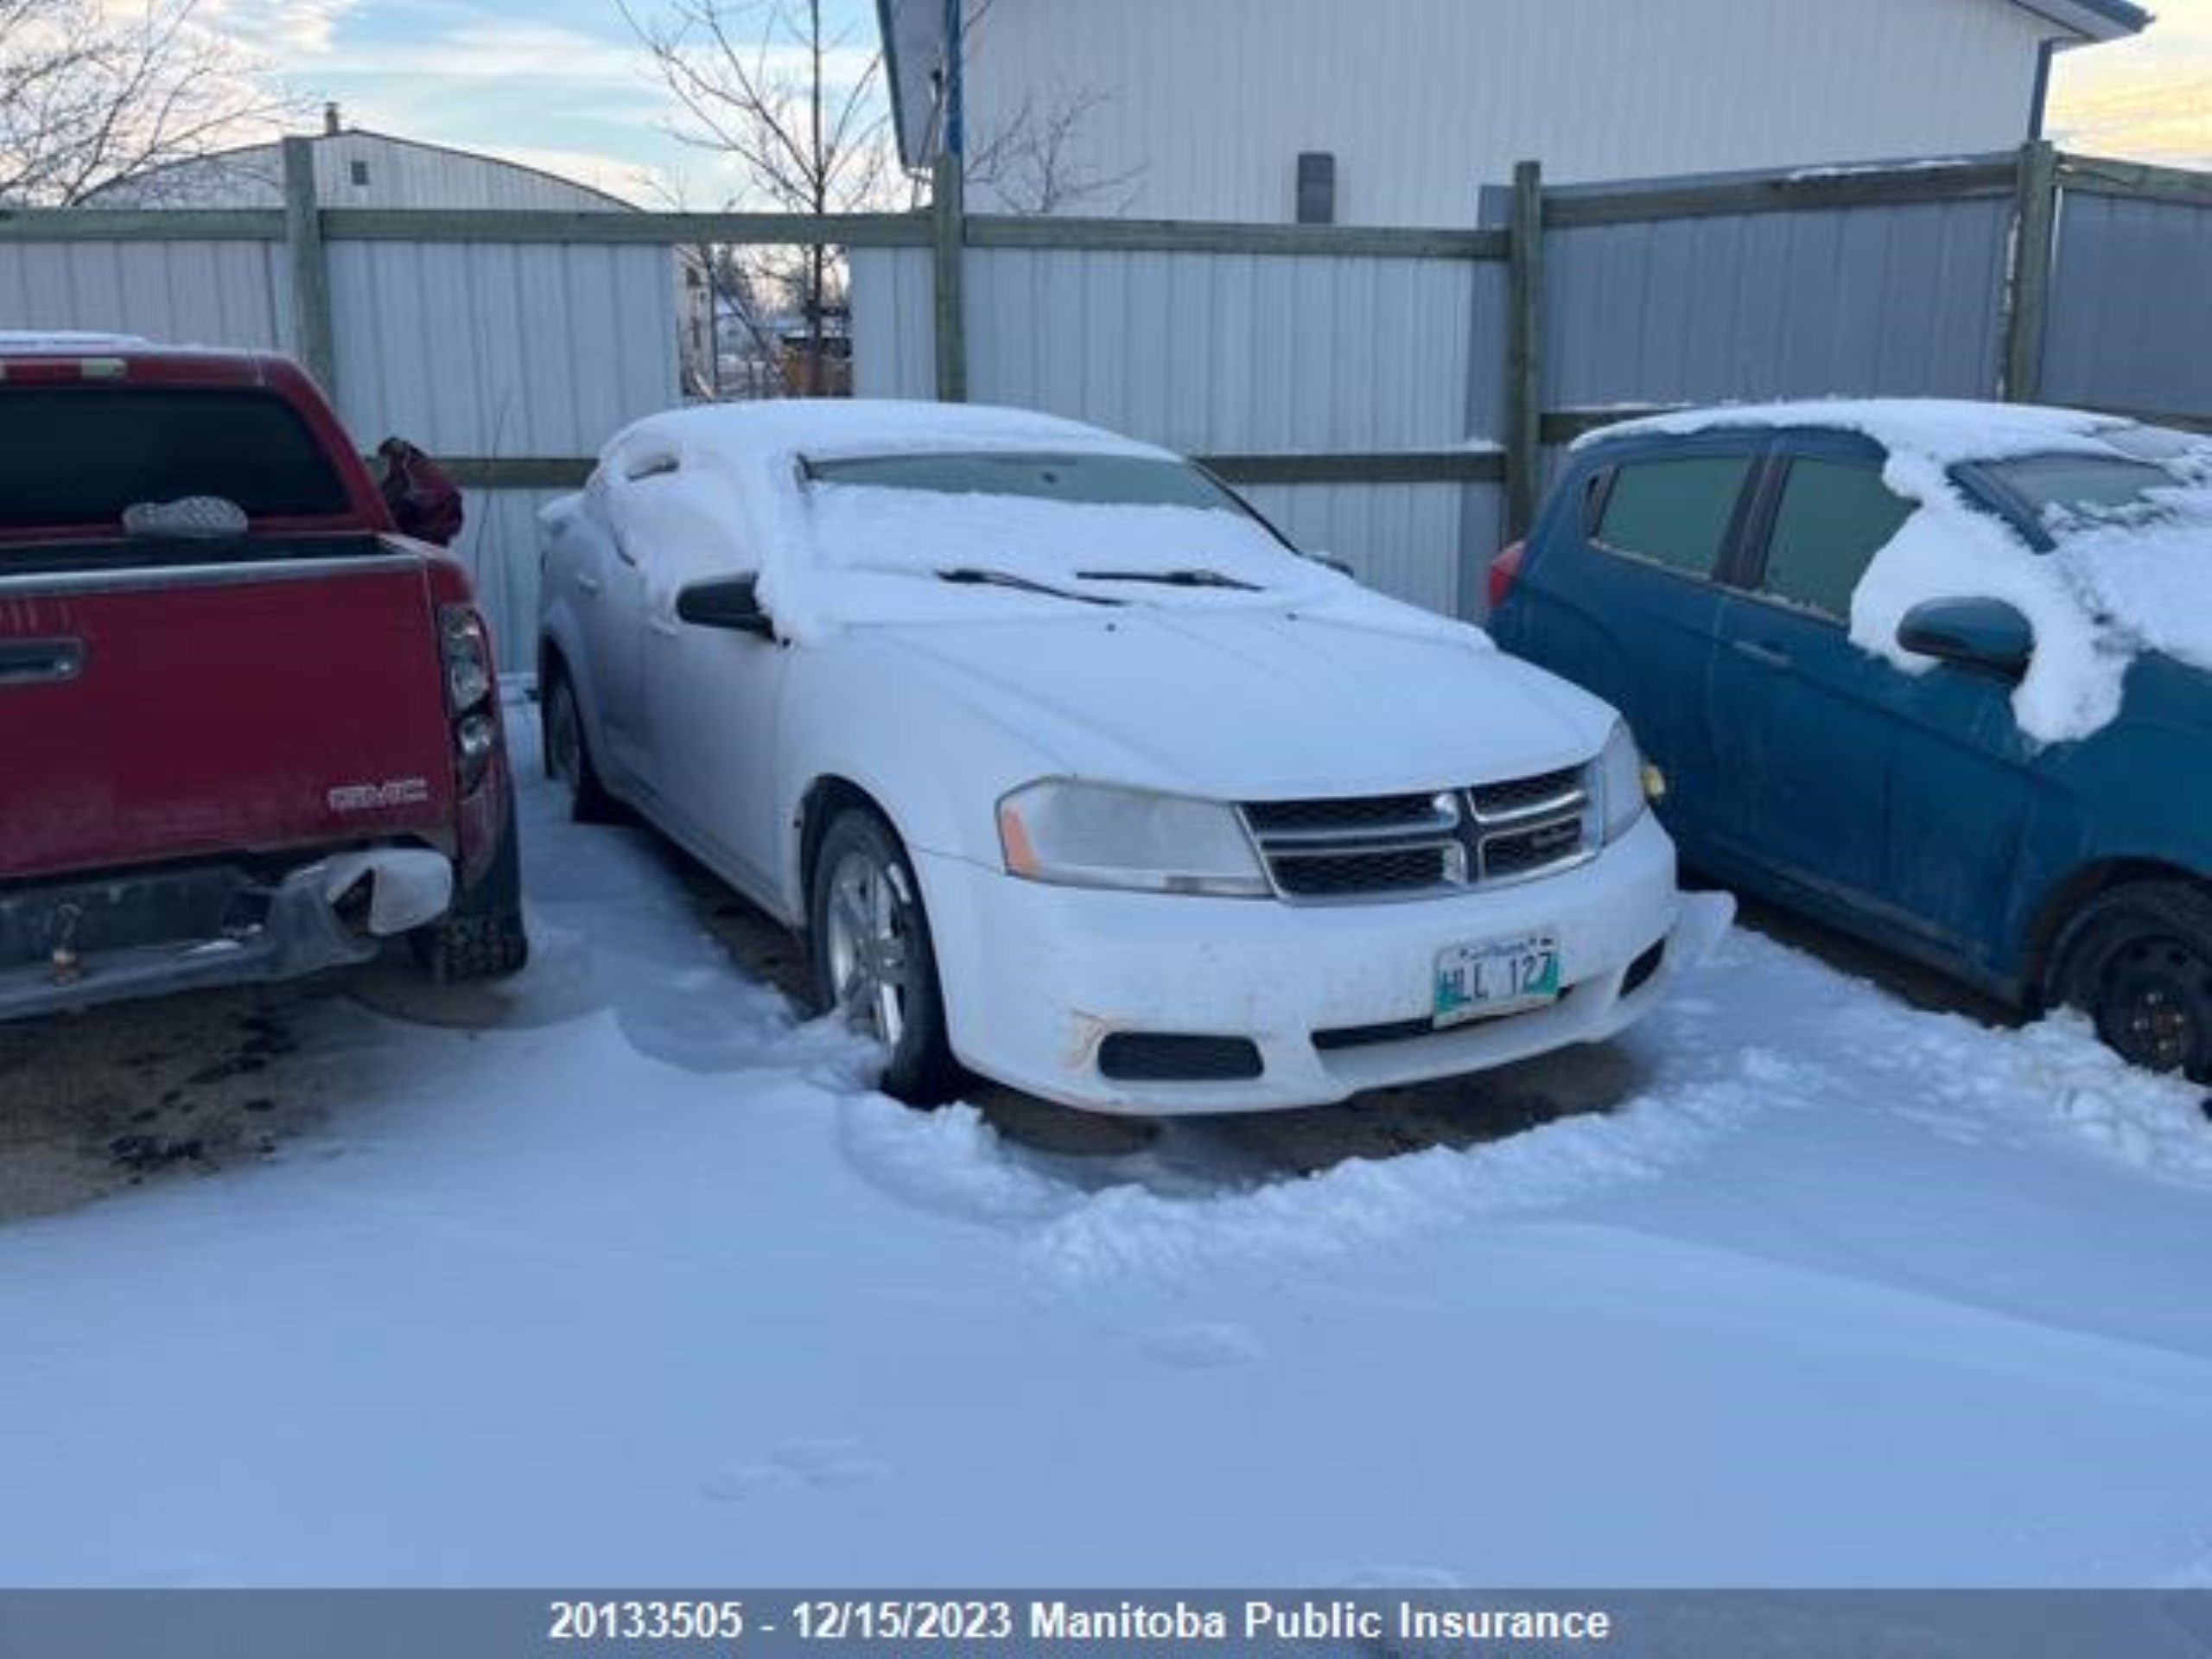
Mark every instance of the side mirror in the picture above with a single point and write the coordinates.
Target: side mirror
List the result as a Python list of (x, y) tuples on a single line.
[(1986, 634), (727, 602)]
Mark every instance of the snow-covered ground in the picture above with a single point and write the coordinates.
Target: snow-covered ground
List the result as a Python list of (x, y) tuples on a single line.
[(643, 1285)]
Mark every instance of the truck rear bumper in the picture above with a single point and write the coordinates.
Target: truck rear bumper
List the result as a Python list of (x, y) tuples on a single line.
[(76, 944)]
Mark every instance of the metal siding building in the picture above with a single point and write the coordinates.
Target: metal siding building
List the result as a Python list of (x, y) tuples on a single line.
[(1199, 109)]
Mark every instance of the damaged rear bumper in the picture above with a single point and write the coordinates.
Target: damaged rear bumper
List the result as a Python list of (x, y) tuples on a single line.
[(77, 943)]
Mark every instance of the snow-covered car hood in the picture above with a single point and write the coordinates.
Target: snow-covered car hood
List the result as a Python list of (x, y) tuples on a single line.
[(1246, 704)]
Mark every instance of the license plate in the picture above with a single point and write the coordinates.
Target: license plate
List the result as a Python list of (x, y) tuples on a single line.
[(1495, 977)]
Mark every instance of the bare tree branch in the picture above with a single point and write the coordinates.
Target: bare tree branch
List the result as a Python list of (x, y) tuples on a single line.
[(95, 96), (760, 81)]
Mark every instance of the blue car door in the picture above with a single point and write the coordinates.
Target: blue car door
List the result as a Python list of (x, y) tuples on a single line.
[(1895, 796), (1618, 596), (1799, 727)]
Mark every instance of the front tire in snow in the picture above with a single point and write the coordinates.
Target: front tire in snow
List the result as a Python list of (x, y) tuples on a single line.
[(2138, 960), (568, 753), (874, 965)]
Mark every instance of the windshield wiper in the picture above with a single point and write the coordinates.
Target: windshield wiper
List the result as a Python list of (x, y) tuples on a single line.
[(1172, 579), (972, 576)]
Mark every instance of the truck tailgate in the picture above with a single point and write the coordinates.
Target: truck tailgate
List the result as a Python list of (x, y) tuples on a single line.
[(181, 709)]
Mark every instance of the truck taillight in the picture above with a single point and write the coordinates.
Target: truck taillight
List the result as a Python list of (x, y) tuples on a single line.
[(1503, 569), (470, 687)]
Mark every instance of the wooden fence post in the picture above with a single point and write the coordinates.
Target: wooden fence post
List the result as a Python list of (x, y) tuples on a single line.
[(2027, 291), (949, 218), (1524, 364), (313, 337)]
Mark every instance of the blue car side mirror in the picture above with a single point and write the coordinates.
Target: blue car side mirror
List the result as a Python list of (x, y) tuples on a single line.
[(1978, 634)]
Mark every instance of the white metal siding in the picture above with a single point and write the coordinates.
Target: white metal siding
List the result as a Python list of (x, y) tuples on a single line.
[(1208, 103), (400, 174), (186, 293)]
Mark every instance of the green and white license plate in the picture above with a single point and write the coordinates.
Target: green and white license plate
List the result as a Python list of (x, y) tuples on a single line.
[(1495, 977)]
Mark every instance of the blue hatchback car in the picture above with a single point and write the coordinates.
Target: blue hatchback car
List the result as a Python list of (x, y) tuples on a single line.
[(1938, 674)]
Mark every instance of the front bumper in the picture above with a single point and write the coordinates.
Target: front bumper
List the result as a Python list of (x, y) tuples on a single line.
[(1036, 978), (78, 943)]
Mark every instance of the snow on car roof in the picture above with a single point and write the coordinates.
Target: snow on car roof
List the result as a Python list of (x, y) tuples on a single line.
[(1944, 430), (785, 429)]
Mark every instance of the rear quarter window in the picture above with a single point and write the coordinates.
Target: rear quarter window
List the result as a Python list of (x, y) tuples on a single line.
[(1673, 512)]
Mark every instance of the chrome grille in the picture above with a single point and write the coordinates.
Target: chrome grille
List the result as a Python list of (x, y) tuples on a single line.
[(1417, 845)]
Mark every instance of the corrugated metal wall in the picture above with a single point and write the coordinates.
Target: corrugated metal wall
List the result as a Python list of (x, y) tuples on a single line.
[(2130, 302), (1233, 353), (500, 350), (1423, 101), (194, 293), (477, 349), (1902, 300)]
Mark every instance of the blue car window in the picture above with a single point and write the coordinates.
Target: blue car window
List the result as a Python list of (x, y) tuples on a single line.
[(1834, 518), (1676, 512)]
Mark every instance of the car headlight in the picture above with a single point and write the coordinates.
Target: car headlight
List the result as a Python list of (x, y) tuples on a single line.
[(1621, 799), (1101, 836)]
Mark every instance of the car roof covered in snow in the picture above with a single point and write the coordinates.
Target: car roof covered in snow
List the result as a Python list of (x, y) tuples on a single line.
[(1945, 430), (787, 430)]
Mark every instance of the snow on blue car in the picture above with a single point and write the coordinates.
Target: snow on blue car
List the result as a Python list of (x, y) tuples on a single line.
[(1937, 673)]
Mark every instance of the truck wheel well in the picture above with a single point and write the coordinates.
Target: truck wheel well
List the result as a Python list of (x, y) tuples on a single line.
[(2067, 898), (825, 799)]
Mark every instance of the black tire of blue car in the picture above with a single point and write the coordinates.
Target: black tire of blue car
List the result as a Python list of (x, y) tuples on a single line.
[(568, 753), (869, 945), (482, 935), (2138, 960)]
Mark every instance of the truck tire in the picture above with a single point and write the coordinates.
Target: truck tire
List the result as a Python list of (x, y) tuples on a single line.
[(482, 935), (2138, 960), (868, 939)]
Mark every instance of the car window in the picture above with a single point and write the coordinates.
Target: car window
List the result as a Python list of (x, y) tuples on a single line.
[(1834, 518), (1676, 512), (1084, 479), (2083, 485)]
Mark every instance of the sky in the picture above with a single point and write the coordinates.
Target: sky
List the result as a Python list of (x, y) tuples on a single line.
[(564, 84)]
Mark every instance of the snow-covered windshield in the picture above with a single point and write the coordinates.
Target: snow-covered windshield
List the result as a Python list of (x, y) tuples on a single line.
[(1093, 479), (2067, 488)]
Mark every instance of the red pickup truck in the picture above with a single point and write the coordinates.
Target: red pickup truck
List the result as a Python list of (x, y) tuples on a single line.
[(247, 730)]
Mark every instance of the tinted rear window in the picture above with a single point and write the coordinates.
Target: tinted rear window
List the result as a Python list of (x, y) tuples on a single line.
[(1676, 512), (2088, 485), (71, 456)]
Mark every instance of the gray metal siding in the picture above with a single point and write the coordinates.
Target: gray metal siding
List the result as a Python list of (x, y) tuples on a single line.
[(1230, 353), (186, 293), (2129, 306), (1902, 301)]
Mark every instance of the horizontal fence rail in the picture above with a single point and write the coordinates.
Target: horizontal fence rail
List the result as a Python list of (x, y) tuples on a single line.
[(1578, 306)]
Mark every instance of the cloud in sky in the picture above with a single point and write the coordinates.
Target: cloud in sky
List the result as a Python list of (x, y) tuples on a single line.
[(2148, 98)]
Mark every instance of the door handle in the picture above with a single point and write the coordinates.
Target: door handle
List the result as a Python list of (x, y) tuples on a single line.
[(588, 582), (40, 662), (1765, 655)]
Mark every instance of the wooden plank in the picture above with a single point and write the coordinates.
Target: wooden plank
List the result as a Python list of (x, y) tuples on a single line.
[(1786, 194), (1379, 467), (141, 225), (949, 223), (2027, 293), (517, 472), (649, 230), (314, 334), (1524, 353), (1207, 236), (2094, 175)]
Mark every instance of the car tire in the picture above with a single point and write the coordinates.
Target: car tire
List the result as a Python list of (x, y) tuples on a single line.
[(2138, 960), (568, 754), (482, 935), (868, 939)]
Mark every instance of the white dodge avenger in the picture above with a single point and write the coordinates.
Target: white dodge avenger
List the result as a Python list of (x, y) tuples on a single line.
[(1073, 772)]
